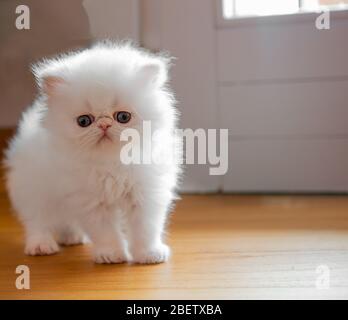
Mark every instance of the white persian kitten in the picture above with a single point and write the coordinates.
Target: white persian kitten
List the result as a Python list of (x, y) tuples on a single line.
[(65, 177)]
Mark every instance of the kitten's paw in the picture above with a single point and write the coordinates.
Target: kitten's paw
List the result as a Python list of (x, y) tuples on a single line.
[(71, 239), (158, 255), (109, 256), (41, 248)]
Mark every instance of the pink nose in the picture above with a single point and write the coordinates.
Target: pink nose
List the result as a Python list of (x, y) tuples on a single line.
[(104, 126)]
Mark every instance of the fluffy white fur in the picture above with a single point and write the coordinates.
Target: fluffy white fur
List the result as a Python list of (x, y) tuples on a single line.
[(67, 182)]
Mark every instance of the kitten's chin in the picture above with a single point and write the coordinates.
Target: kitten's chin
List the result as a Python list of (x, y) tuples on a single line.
[(106, 144), (103, 151), (104, 139)]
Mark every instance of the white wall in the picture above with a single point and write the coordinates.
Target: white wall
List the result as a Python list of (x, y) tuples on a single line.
[(56, 26), (283, 92), (278, 84), (115, 19), (186, 29)]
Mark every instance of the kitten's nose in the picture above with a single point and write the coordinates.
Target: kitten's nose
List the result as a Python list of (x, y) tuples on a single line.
[(104, 123), (104, 126)]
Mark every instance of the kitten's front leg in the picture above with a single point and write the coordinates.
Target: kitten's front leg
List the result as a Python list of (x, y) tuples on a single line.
[(39, 239), (104, 230), (70, 235), (145, 231)]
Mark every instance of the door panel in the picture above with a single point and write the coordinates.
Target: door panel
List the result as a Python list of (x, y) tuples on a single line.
[(295, 109), (282, 51), (287, 166)]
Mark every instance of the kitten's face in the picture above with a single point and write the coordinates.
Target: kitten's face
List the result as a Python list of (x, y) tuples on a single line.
[(91, 117), (93, 95)]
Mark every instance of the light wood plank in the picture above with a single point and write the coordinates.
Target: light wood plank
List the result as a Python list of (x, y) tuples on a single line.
[(224, 247)]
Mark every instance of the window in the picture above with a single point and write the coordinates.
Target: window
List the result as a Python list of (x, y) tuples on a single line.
[(245, 8)]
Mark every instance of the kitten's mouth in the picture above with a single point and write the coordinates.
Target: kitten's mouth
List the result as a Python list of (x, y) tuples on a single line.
[(104, 138)]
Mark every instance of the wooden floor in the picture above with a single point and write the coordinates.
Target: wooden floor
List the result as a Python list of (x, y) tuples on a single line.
[(224, 247)]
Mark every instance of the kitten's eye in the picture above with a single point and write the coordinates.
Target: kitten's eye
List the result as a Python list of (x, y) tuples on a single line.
[(85, 120), (122, 116)]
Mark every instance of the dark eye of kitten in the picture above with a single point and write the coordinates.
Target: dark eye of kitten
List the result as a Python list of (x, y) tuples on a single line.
[(84, 120), (122, 116)]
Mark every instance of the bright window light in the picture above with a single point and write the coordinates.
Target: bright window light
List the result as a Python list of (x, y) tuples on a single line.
[(245, 8), (316, 5), (265, 7)]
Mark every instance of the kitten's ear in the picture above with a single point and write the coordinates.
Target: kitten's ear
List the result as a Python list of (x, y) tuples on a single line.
[(154, 73), (49, 84), (48, 76)]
